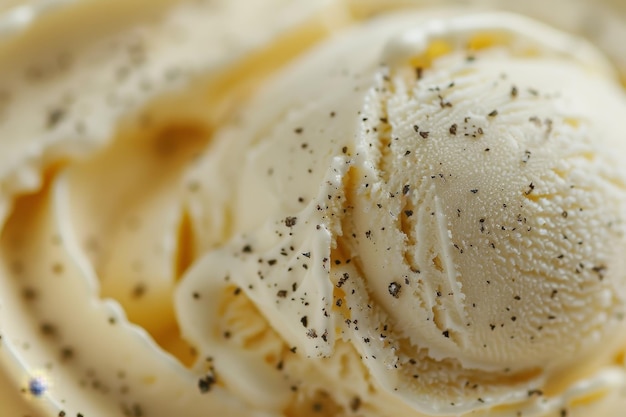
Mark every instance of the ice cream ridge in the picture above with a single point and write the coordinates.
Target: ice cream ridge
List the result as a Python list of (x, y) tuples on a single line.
[(420, 214)]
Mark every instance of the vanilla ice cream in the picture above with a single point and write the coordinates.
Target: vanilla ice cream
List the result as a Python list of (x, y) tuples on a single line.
[(418, 214)]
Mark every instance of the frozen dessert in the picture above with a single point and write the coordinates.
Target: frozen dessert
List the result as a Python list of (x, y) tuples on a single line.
[(417, 214)]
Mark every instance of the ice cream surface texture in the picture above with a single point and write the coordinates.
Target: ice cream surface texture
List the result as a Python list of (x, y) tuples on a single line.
[(417, 214)]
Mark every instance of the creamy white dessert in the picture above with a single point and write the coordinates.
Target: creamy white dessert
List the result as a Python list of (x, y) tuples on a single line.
[(419, 215)]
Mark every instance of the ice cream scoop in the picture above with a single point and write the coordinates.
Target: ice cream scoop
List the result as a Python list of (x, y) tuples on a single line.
[(443, 196), (247, 209)]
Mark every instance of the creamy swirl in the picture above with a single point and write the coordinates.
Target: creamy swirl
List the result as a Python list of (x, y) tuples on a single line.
[(438, 185), (421, 215)]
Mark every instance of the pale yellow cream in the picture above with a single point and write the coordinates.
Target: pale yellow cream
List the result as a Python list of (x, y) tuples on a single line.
[(286, 209)]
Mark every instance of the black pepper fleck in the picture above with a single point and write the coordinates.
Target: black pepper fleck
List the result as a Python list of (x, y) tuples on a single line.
[(355, 404), (54, 117), (139, 290), (394, 289), (206, 383)]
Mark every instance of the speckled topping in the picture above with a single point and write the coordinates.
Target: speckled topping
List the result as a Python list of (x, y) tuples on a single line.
[(462, 180), (420, 215)]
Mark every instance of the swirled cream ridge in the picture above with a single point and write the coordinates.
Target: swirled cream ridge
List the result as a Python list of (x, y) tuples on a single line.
[(416, 215)]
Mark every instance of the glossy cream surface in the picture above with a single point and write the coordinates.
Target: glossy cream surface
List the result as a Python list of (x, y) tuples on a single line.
[(415, 214)]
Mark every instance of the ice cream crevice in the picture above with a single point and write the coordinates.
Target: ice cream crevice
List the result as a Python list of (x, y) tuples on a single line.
[(186, 253)]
